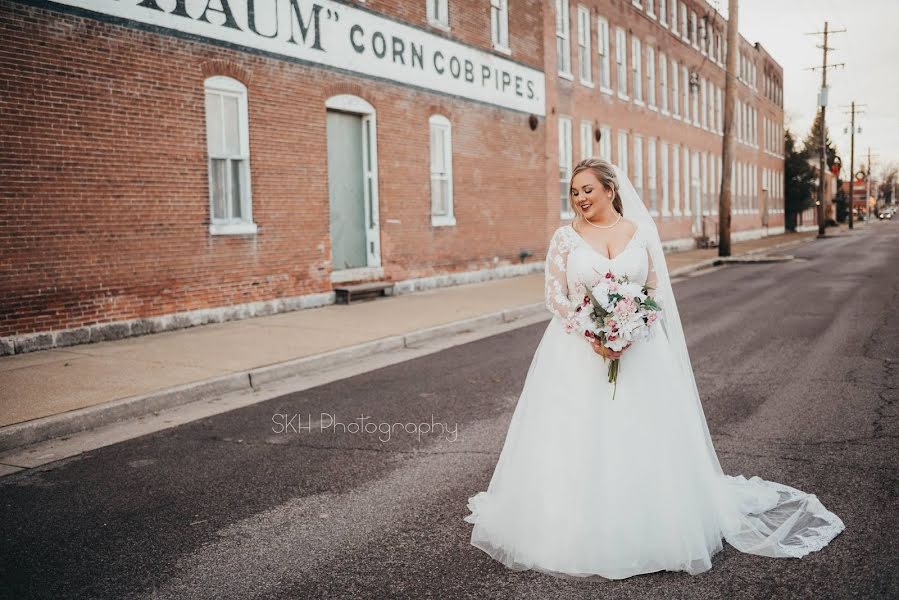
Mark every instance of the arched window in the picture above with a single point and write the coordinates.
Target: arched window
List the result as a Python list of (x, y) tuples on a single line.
[(441, 171), (228, 149)]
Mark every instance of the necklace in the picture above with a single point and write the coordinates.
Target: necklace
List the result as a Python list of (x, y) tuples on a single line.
[(602, 226)]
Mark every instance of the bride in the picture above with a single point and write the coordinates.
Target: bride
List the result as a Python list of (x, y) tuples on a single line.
[(590, 486)]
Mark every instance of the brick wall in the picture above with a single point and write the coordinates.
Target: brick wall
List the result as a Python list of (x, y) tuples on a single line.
[(104, 206)]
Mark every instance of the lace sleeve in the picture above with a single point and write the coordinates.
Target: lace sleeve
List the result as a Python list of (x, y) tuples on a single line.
[(556, 281)]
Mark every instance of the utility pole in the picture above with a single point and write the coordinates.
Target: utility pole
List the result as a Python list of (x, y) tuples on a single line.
[(822, 102), (727, 152), (852, 165)]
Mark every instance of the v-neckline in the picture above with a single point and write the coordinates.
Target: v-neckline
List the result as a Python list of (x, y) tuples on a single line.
[(597, 252)]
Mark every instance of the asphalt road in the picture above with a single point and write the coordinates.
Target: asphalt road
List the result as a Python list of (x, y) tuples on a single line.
[(796, 364)]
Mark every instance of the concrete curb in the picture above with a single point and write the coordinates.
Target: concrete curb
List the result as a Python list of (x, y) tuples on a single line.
[(711, 262), (55, 426), (67, 423)]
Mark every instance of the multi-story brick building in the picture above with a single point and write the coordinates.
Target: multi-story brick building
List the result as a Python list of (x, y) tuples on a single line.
[(641, 82), (166, 163)]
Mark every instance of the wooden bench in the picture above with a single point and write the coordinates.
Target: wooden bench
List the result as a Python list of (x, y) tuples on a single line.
[(360, 291)]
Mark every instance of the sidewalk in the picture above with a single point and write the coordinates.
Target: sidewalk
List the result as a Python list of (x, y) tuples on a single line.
[(55, 392)]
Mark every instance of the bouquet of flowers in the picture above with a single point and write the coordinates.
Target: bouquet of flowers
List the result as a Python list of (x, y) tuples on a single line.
[(617, 312)]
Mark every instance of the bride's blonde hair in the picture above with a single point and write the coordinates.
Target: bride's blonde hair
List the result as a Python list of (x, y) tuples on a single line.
[(605, 173)]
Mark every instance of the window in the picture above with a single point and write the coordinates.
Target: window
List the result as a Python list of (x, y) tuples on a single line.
[(663, 162), (564, 167), (673, 23), (622, 151), (704, 182), (694, 93), (652, 168), (683, 22), (438, 13), (651, 76), (675, 178), (499, 24), (637, 177), (686, 92), (583, 45), (719, 49), (693, 31), (675, 89), (586, 139), (663, 82), (637, 64), (650, 8), (702, 36), (441, 171), (621, 61), (687, 182), (563, 50), (663, 13), (602, 46), (605, 143), (704, 112), (719, 107), (228, 150)]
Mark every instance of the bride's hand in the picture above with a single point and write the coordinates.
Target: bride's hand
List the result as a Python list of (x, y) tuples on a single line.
[(607, 352)]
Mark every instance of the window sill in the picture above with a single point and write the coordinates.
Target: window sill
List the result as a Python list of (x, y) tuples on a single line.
[(232, 229), (502, 49), (665, 112), (624, 97), (566, 75), (439, 25), (638, 102), (606, 90), (443, 221), (587, 83), (653, 107)]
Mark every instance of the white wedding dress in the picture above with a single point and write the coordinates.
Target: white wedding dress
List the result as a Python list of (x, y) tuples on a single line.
[(590, 485)]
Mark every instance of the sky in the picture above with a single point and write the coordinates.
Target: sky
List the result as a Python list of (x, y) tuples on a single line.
[(870, 50)]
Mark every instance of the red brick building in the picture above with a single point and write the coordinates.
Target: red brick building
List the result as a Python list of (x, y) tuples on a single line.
[(167, 163)]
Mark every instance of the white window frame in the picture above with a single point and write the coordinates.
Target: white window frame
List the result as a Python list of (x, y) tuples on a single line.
[(663, 83), (663, 13), (688, 183), (675, 180), (684, 27), (704, 115), (621, 62), (605, 143), (586, 139), (438, 14), (637, 176), (604, 60), (499, 25), (651, 78), (685, 93), (650, 8), (563, 39), (675, 90), (673, 21), (652, 167), (441, 123), (222, 87), (694, 32), (623, 152), (584, 51), (637, 67), (565, 167), (663, 168)]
